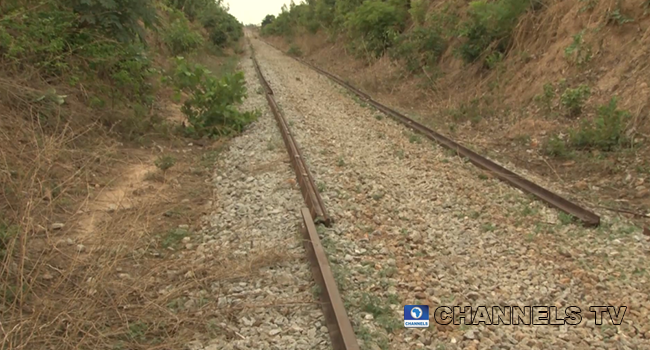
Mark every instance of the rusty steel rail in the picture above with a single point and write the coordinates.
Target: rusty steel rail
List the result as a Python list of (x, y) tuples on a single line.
[(305, 180), (587, 218), (338, 324)]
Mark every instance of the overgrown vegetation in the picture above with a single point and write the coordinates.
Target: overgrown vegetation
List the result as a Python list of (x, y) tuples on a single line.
[(374, 27), (605, 133), (76, 78)]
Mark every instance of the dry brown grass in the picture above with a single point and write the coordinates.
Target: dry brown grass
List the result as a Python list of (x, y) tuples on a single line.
[(90, 255), (120, 281)]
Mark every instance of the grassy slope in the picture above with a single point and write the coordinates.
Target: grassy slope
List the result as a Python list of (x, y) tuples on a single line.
[(496, 111), (88, 222)]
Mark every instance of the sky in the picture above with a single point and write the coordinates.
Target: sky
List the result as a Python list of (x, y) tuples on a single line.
[(254, 11)]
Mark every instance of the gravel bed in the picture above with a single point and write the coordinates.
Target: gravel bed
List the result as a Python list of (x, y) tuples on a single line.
[(255, 221), (416, 224)]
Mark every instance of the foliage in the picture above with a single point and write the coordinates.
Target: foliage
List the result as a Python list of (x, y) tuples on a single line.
[(578, 52), (294, 51), (419, 48), (377, 24), (574, 99), (268, 20), (606, 132), (211, 108), (489, 27), (54, 41), (418, 11), (556, 147), (165, 162), (119, 18), (282, 25), (223, 28), (180, 38)]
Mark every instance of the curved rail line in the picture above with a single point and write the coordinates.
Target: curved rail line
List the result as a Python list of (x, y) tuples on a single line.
[(586, 217), (338, 324), (305, 180)]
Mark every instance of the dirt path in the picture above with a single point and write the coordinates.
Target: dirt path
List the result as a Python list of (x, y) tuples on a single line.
[(416, 224)]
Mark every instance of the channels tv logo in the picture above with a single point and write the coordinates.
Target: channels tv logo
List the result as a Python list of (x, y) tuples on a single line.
[(416, 316)]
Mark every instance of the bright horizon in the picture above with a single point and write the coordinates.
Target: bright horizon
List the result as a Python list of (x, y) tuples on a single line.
[(254, 11)]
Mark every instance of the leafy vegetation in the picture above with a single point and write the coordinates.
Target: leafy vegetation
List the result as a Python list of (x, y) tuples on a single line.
[(211, 108), (80, 79), (375, 27)]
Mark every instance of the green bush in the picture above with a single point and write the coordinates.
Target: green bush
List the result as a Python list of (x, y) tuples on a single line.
[(120, 18), (418, 11), (574, 99), (421, 47), (490, 27), (377, 24), (294, 51), (556, 147), (211, 108), (578, 52), (268, 20), (53, 41), (606, 132), (180, 38)]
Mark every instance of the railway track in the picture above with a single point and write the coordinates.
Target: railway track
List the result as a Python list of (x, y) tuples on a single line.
[(381, 249), (338, 324), (585, 216)]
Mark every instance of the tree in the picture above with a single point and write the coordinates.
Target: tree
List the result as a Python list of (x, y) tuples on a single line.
[(268, 20)]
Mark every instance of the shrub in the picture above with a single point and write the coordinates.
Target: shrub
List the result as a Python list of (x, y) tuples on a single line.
[(180, 38), (165, 162), (574, 99), (211, 109), (294, 51), (606, 133), (578, 52), (120, 18), (58, 45), (556, 147), (268, 20), (418, 11), (490, 27), (377, 23), (419, 48)]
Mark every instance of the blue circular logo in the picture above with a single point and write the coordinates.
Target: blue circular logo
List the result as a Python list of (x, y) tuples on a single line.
[(416, 313)]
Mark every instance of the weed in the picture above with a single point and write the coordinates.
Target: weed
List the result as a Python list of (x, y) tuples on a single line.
[(180, 38), (137, 331), (546, 98), (617, 17), (341, 162), (379, 117), (490, 28), (589, 5), (387, 272), (556, 147), (489, 227), (606, 133), (415, 139), (578, 52), (294, 51), (573, 99), (211, 107), (565, 218), (165, 162), (378, 195), (419, 48), (173, 237), (321, 187)]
